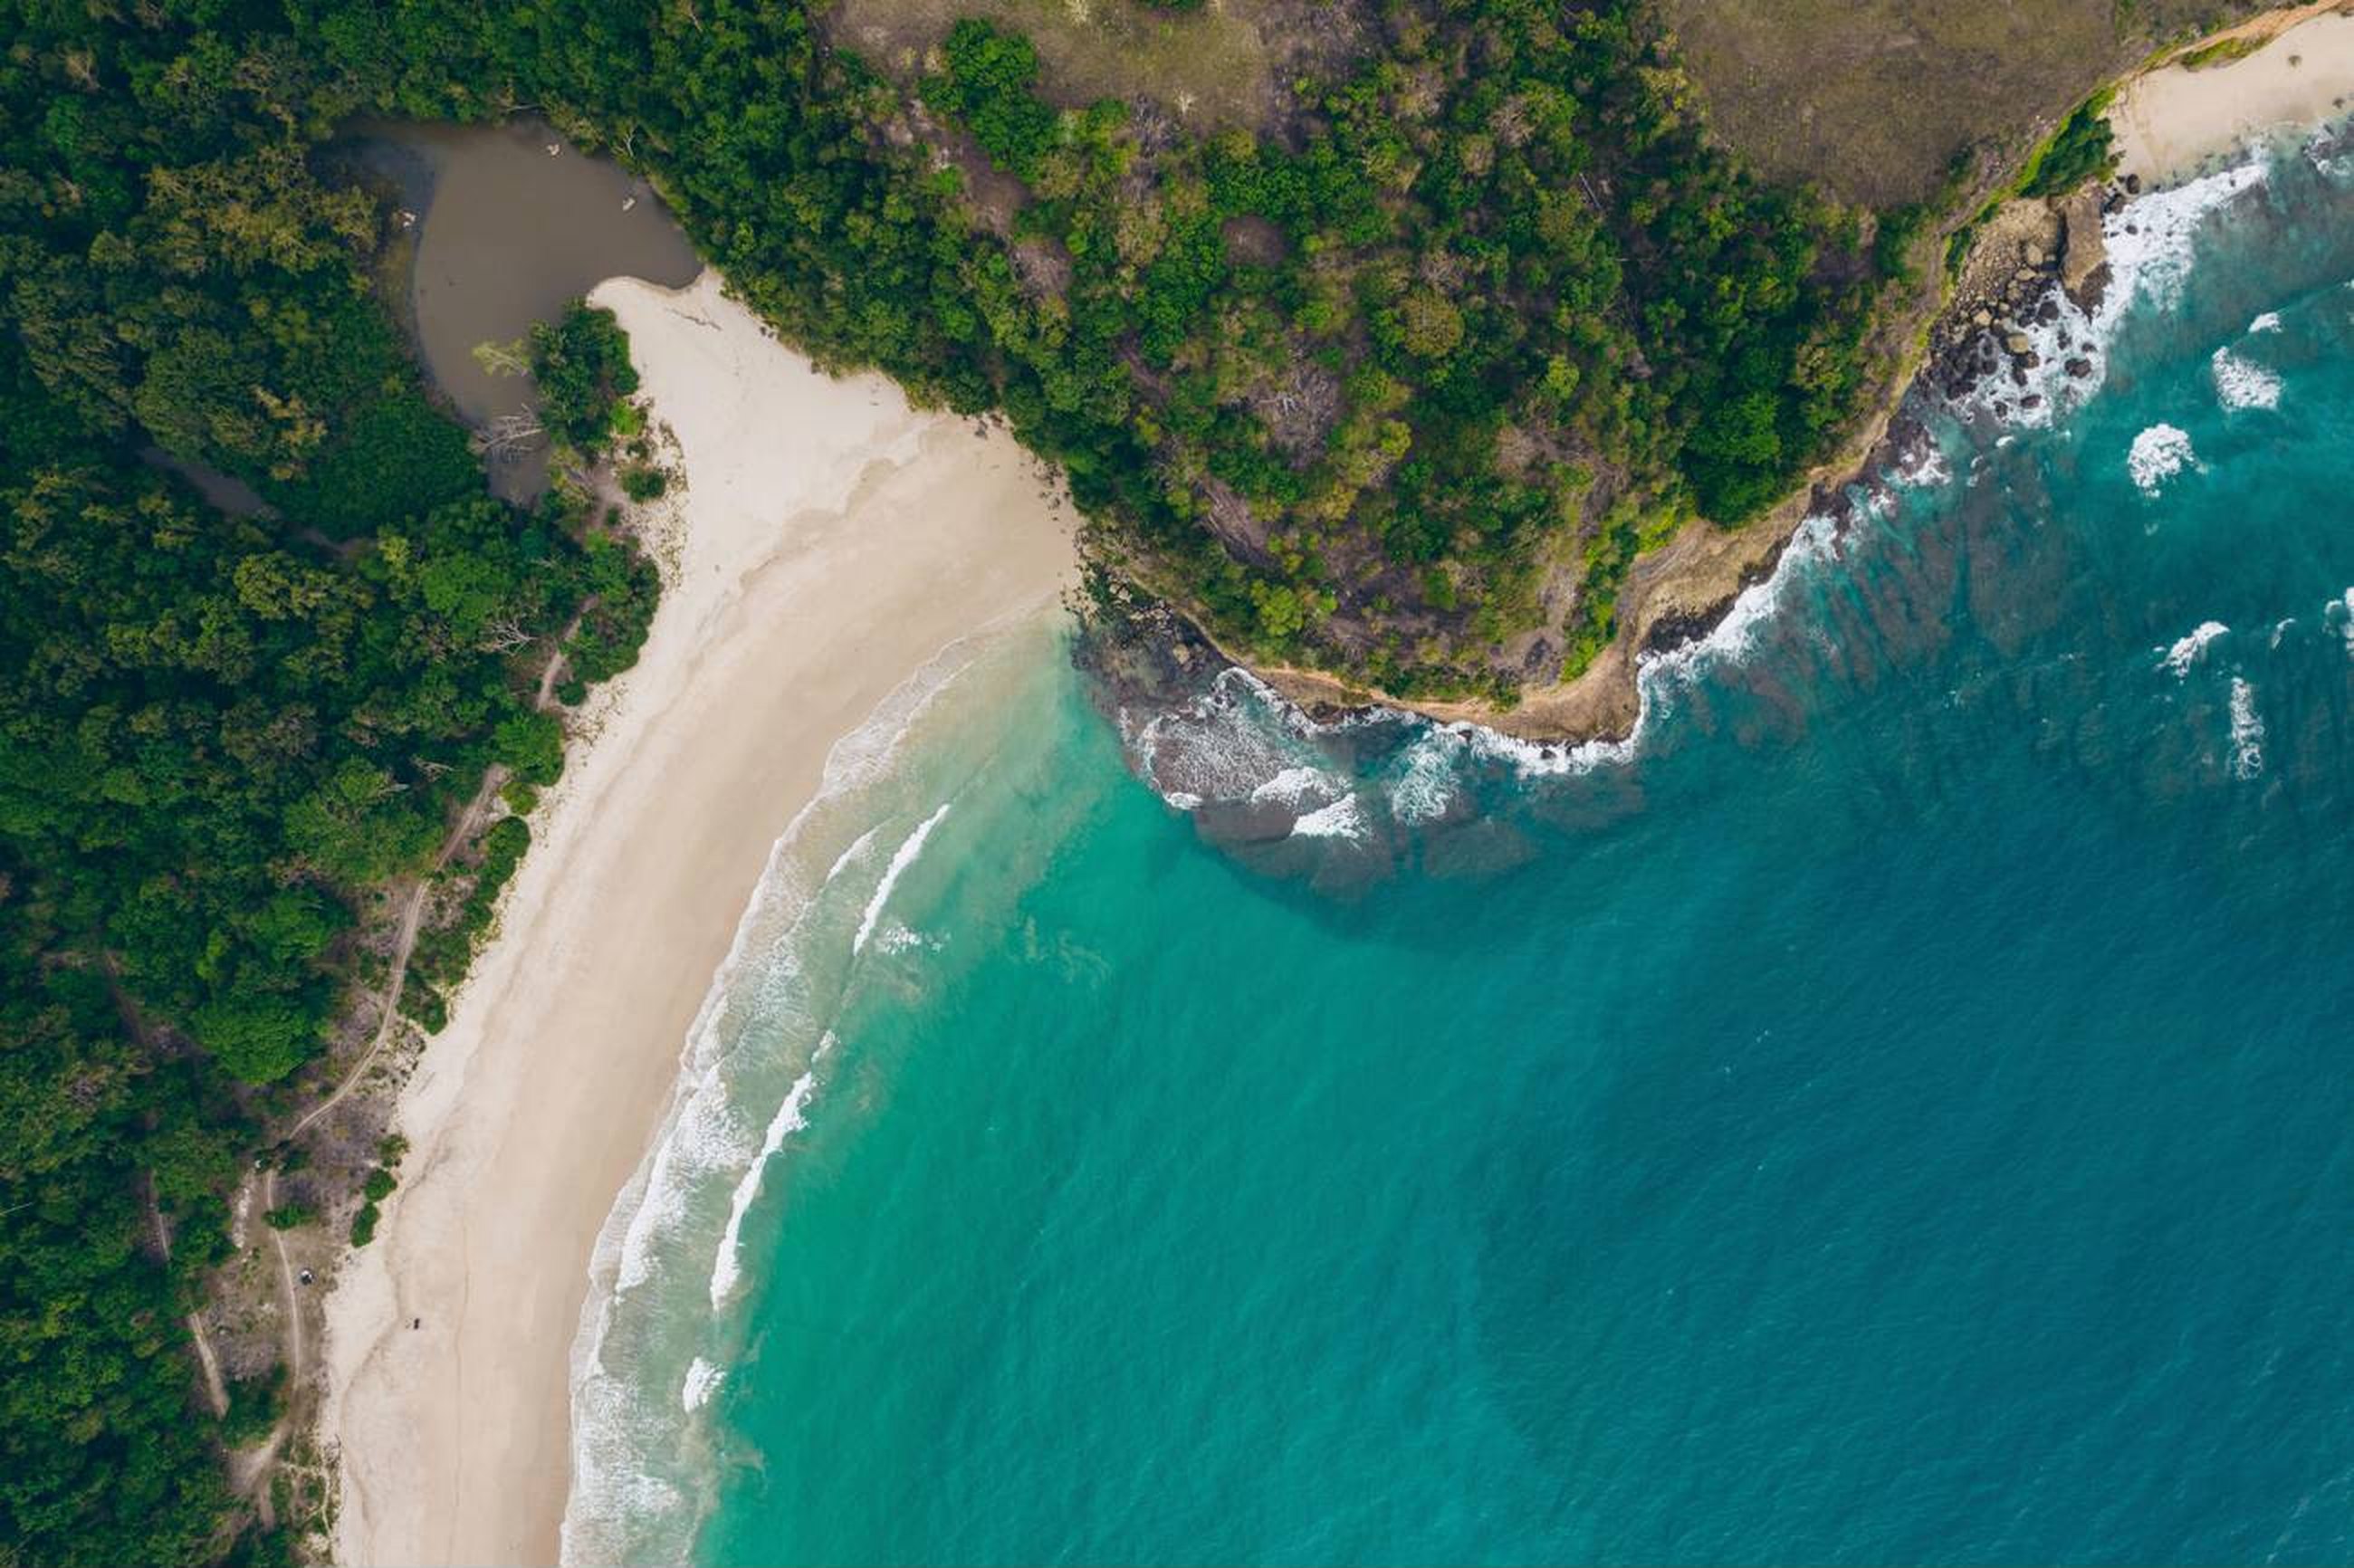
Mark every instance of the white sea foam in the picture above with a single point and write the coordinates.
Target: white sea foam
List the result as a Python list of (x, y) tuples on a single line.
[(2247, 731), (1926, 467), (618, 1416), (1235, 737), (904, 857), (1343, 818), (2244, 383), (2150, 245), (702, 1138), (1425, 786), (898, 937), (2187, 650), (2158, 454), (857, 851), (1659, 676), (792, 1116), (1531, 759), (1299, 787), (702, 1380)]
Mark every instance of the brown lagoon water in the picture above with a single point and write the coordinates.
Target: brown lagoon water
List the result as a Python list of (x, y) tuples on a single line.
[(510, 223)]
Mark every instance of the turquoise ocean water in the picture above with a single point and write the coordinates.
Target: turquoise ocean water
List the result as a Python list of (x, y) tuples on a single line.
[(1902, 1107)]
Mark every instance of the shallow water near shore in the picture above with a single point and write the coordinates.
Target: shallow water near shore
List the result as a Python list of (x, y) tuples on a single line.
[(1897, 1109)]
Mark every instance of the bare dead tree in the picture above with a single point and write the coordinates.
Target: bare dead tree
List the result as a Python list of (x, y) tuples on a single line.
[(503, 359), (510, 435), (503, 635)]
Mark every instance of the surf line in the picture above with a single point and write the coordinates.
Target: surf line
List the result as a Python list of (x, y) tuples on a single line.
[(901, 859)]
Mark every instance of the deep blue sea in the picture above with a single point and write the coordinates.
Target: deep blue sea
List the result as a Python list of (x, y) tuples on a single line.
[(1900, 1108)]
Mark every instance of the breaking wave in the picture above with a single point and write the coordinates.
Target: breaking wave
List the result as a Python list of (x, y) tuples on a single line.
[(703, 1379), (2244, 383), (901, 859), (2149, 243), (641, 1373), (792, 1116), (1343, 818), (2247, 731), (2187, 650), (2158, 454)]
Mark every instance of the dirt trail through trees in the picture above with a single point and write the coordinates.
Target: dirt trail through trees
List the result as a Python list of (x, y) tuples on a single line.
[(412, 916)]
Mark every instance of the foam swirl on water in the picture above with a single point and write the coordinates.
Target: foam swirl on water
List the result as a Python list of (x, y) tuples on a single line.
[(2158, 454), (2187, 650), (2244, 383), (2247, 731)]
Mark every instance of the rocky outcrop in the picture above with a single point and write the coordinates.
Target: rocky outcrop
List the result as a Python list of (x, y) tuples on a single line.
[(2084, 259)]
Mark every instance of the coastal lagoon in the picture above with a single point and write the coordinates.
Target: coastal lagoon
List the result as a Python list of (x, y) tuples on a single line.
[(1897, 1108), (507, 225)]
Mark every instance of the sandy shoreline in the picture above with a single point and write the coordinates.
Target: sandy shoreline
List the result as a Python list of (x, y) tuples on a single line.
[(831, 541), (2173, 123)]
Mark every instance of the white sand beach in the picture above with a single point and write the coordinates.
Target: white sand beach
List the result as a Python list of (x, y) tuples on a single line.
[(2170, 120), (831, 541)]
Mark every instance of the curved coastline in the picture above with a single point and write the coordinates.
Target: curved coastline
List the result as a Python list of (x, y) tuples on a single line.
[(2173, 124), (829, 542), (774, 641)]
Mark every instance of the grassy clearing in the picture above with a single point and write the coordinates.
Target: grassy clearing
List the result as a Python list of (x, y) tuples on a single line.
[(1212, 67), (1877, 97)]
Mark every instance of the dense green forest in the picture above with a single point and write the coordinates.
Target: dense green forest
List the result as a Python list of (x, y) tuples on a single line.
[(1487, 306), (218, 733), (1494, 306)]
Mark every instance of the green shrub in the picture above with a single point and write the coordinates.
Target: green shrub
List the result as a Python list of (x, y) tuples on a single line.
[(2223, 51), (581, 365), (986, 89), (532, 743), (2079, 150), (255, 1404), (425, 1005)]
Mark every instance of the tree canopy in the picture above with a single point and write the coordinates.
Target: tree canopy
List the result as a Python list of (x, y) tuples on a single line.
[(1485, 313)]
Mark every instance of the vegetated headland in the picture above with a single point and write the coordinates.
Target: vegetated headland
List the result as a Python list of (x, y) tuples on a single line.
[(1452, 354)]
